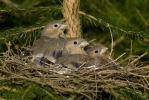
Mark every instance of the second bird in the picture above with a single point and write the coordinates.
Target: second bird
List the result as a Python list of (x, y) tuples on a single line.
[(73, 55)]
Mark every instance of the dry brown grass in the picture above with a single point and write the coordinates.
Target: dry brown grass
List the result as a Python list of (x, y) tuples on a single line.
[(83, 80)]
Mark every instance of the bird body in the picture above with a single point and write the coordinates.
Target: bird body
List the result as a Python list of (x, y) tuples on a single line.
[(72, 61), (51, 48), (96, 56), (73, 54), (50, 44)]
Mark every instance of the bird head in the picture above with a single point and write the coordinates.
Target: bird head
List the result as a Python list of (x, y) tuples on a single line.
[(96, 51), (76, 45), (55, 29)]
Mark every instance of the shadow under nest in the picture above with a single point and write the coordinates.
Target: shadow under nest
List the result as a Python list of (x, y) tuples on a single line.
[(87, 82)]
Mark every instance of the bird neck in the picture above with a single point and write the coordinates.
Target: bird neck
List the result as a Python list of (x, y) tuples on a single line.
[(54, 35), (49, 35), (78, 52)]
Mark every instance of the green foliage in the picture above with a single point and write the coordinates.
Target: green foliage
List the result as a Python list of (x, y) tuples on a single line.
[(126, 18), (30, 91), (131, 94), (23, 24), (36, 11)]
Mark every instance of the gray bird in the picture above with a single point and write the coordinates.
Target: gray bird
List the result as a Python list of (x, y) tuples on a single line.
[(73, 54), (50, 44), (96, 56)]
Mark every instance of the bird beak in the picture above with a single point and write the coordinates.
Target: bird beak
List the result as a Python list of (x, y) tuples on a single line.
[(84, 44), (103, 50), (63, 26)]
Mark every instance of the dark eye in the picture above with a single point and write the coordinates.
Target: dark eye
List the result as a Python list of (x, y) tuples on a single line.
[(75, 42), (96, 51), (55, 25)]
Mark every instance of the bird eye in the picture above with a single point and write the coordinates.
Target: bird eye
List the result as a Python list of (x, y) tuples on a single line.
[(75, 42), (96, 51), (55, 25)]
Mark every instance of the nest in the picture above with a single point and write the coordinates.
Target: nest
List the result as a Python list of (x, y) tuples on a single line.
[(85, 81)]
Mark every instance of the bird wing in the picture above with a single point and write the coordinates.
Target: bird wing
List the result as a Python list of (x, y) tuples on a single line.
[(72, 60), (54, 49), (49, 48), (94, 61)]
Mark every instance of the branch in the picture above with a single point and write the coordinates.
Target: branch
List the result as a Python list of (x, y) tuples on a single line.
[(25, 31), (142, 37)]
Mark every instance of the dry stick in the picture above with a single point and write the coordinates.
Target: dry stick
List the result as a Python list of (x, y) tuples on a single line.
[(96, 83), (143, 19), (25, 92), (72, 90), (137, 58), (28, 79), (126, 59), (91, 41), (138, 84), (146, 67), (125, 83), (118, 41), (92, 17), (143, 81), (134, 74), (146, 81), (109, 72), (120, 56), (17, 76), (70, 13), (111, 40), (50, 94), (113, 60), (130, 53)]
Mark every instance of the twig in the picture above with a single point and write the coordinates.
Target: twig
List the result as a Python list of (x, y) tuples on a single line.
[(25, 92), (111, 40), (50, 95), (135, 60), (124, 31), (130, 53), (121, 38)]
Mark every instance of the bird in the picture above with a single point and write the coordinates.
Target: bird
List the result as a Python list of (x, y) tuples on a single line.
[(50, 44), (73, 55), (96, 56)]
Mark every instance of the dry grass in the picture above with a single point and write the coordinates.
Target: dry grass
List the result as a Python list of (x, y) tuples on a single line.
[(83, 80)]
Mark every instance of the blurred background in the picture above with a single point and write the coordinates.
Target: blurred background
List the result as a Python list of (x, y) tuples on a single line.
[(18, 18)]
